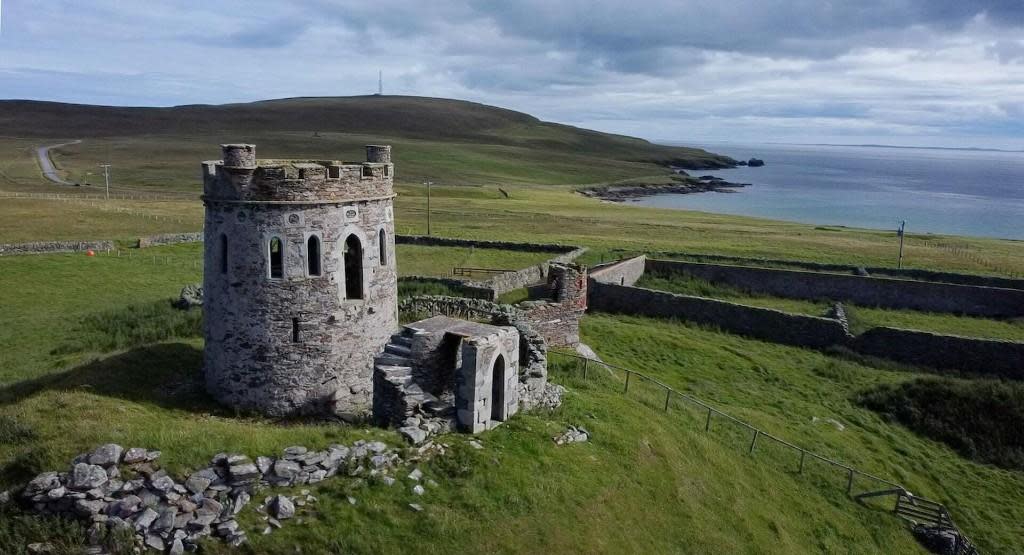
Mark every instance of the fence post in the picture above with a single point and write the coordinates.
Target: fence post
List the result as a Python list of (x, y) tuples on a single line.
[(668, 396), (626, 390), (802, 455), (707, 425), (586, 365), (849, 483), (753, 442)]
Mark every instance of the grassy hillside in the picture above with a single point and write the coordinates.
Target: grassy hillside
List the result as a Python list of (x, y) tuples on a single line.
[(432, 119), (649, 481)]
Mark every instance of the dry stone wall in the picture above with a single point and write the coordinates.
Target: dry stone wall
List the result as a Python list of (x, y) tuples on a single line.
[(867, 291), (49, 247), (909, 273), (169, 239), (623, 272), (761, 323), (990, 357)]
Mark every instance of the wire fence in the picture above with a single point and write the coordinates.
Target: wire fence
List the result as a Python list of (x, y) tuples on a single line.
[(857, 484)]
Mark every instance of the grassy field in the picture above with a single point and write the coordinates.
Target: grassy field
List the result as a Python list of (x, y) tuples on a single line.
[(861, 318), (79, 367)]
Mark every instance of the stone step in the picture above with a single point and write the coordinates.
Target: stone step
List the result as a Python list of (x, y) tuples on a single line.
[(391, 359), (399, 350), (402, 339)]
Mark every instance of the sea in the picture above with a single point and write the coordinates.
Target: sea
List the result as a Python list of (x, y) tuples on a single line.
[(940, 191)]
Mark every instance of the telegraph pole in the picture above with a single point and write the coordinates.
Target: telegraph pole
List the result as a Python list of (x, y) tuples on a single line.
[(106, 178), (428, 184), (903, 226)]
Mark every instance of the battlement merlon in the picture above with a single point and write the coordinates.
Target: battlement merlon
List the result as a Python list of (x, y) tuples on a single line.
[(242, 178)]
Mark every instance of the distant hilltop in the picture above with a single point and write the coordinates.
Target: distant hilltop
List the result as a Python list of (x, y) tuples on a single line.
[(381, 116)]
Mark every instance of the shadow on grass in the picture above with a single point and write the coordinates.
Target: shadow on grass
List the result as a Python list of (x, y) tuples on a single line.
[(166, 374)]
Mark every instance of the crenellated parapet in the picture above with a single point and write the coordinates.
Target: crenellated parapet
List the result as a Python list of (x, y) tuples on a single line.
[(240, 177)]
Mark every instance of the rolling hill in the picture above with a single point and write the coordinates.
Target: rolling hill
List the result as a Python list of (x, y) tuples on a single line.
[(433, 119)]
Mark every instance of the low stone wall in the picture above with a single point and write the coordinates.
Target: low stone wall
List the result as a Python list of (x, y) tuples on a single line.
[(1003, 359), (760, 323), (867, 291), (169, 239), (623, 272), (909, 273), (44, 247), (990, 357)]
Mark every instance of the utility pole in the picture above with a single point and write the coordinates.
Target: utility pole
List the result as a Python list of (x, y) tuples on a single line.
[(903, 225), (428, 184), (106, 178)]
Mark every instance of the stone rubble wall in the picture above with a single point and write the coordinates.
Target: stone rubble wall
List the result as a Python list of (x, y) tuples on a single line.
[(867, 291), (115, 490), (50, 247), (909, 273), (622, 272), (169, 239), (988, 357)]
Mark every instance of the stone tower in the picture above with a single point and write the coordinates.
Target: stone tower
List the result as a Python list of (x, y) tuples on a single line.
[(300, 285)]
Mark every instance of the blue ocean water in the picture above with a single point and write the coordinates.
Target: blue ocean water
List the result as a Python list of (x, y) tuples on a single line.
[(936, 191)]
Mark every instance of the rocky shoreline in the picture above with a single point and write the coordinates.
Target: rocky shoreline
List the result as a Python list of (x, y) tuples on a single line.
[(682, 186)]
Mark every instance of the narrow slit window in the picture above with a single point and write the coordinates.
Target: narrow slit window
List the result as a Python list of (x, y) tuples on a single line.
[(382, 242), (334, 172), (386, 171), (276, 258), (223, 253), (313, 255), (295, 331), (353, 268)]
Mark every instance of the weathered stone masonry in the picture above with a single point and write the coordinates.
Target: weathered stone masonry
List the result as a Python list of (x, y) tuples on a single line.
[(300, 282)]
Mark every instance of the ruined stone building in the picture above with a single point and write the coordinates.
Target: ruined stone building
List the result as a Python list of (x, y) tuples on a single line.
[(300, 304)]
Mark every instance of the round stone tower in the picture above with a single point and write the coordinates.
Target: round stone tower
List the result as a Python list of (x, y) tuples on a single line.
[(300, 287)]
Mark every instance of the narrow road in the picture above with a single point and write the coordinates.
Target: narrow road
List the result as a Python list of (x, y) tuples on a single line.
[(46, 163)]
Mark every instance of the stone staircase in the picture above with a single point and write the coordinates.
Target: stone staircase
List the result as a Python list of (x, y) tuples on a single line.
[(392, 376)]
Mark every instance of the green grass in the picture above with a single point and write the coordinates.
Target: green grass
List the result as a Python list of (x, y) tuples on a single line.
[(421, 260), (649, 481), (980, 419), (861, 318)]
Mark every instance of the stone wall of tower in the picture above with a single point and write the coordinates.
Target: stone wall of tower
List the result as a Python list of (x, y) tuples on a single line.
[(297, 343)]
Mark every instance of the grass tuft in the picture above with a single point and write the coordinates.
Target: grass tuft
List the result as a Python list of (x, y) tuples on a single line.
[(132, 326)]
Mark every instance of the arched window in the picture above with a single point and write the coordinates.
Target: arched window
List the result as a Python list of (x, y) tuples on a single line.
[(313, 255), (276, 258), (223, 253), (382, 243), (353, 268)]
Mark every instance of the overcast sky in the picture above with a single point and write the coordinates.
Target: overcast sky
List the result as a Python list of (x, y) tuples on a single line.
[(916, 72)]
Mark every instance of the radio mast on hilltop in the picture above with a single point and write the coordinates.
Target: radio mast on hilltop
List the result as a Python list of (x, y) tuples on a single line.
[(380, 82)]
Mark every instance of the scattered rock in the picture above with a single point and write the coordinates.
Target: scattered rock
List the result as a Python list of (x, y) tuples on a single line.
[(282, 507), (585, 351), (416, 507), (572, 435), (413, 434), (418, 489), (415, 475), (191, 295), (475, 444)]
